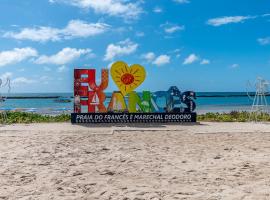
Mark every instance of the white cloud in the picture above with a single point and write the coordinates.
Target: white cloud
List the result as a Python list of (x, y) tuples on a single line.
[(40, 34), (264, 41), (162, 60), (119, 8), (62, 68), (191, 59), (78, 28), (6, 75), (22, 80), (172, 28), (157, 10), (45, 78), (176, 53), (74, 29), (125, 47), (140, 34), (150, 56), (205, 62), (235, 65), (228, 20), (266, 15), (159, 60), (64, 56), (16, 55), (47, 69), (181, 1)]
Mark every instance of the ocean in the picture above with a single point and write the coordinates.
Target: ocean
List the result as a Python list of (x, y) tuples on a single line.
[(45, 102)]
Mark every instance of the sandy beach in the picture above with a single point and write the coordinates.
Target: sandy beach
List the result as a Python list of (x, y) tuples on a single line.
[(204, 161)]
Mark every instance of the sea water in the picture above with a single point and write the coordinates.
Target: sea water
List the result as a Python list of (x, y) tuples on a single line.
[(206, 102)]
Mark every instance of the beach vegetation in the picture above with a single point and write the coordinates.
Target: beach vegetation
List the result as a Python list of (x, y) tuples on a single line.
[(233, 116), (24, 117)]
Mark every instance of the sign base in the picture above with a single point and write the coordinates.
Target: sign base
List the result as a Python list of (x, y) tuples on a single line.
[(99, 118)]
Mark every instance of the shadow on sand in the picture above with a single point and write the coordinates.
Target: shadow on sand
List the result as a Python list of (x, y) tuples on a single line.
[(139, 125)]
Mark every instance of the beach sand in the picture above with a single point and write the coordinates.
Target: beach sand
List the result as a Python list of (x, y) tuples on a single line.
[(205, 161)]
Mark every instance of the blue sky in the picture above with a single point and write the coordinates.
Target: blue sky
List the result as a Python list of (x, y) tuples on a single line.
[(193, 44)]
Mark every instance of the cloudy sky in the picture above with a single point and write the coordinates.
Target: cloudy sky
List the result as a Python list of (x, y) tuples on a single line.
[(193, 44)]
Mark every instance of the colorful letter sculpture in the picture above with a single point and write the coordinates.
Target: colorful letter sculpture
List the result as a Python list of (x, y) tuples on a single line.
[(117, 103), (127, 78), (92, 105), (85, 78)]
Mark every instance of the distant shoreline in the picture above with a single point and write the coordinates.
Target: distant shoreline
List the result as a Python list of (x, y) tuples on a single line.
[(35, 97), (198, 96)]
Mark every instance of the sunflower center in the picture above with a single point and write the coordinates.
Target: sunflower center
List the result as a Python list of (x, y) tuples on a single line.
[(127, 79)]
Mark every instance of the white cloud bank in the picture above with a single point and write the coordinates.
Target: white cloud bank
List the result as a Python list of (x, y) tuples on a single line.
[(162, 60), (19, 81), (172, 28), (74, 29), (149, 57), (6, 75), (157, 10), (125, 47), (235, 65), (16, 55), (121, 8), (182, 1), (22, 80), (264, 41), (191, 59), (62, 68), (64, 56), (205, 62), (159, 60), (228, 20)]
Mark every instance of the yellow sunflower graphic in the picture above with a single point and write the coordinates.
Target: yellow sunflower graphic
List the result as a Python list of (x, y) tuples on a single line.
[(127, 78)]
